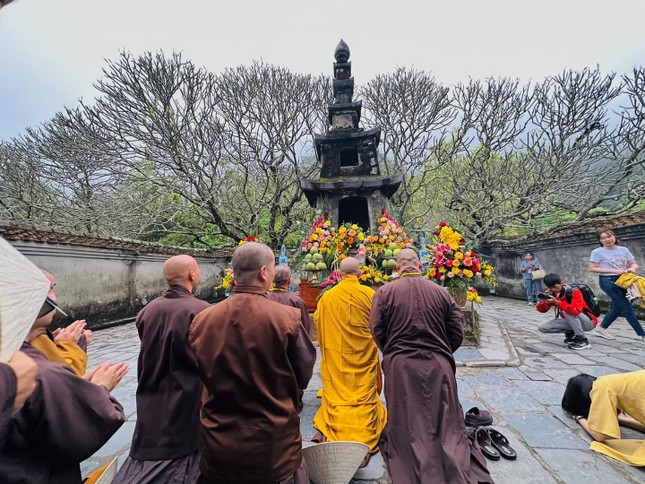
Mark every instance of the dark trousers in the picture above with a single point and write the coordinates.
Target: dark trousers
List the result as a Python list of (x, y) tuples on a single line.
[(620, 305)]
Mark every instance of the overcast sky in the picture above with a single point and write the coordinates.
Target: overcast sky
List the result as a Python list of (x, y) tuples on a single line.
[(51, 51)]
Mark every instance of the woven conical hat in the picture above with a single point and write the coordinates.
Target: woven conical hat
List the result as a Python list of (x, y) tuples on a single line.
[(334, 462), (23, 289)]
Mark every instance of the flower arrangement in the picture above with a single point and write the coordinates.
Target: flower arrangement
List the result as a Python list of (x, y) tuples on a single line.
[(387, 242), (372, 275), (376, 251), (326, 245), (228, 281), (473, 296), (452, 264)]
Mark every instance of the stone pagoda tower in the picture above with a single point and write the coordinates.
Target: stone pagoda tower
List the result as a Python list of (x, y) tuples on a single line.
[(350, 187)]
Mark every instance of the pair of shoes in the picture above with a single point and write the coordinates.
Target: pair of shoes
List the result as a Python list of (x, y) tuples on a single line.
[(531, 303), (569, 337), (492, 443), (476, 417), (579, 343), (602, 332)]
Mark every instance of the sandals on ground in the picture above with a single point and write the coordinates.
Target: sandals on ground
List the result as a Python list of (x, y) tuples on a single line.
[(501, 444), (480, 435)]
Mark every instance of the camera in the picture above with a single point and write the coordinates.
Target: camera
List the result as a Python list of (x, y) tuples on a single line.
[(543, 295)]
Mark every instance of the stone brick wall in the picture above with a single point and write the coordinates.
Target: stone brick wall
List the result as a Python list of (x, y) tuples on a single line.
[(105, 280), (566, 253)]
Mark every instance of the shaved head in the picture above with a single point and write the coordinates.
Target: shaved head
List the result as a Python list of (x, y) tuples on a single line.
[(248, 262), (182, 270), (282, 275), (350, 266), (407, 259)]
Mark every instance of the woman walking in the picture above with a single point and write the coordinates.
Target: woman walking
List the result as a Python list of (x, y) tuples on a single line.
[(611, 260), (527, 266)]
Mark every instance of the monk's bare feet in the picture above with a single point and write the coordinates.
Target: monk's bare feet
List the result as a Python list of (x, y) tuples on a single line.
[(365, 461), (319, 437)]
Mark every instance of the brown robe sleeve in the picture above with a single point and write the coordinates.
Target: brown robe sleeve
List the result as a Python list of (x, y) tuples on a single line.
[(454, 326), (378, 326), (8, 386), (302, 355), (68, 417), (306, 320)]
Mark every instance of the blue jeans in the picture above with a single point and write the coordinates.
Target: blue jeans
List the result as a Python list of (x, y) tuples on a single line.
[(620, 305), (532, 288)]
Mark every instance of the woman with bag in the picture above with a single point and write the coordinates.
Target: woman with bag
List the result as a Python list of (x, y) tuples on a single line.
[(532, 285), (610, 261)]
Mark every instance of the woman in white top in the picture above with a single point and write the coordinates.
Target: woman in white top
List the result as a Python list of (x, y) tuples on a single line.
[(611, 261)]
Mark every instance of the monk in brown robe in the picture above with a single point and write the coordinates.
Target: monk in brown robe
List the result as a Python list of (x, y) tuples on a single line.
[(164, 445), (63, 422), (254, 358), (417, 325), (280, 293)]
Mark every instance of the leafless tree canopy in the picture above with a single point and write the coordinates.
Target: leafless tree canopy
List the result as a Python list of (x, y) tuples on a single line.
[(173, 152)]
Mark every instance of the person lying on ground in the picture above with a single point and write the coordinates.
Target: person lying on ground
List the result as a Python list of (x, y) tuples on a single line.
[(601, 405)]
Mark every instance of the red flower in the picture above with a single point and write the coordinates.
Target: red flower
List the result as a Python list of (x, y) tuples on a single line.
[(437, 233), (442, 224)]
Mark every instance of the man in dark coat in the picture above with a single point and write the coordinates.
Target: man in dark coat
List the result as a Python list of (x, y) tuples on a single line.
[(254, 358), (164, 445), (417, 325), (280, 293)]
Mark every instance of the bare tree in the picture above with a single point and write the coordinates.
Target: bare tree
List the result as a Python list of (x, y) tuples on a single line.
[(228, 145), (415, 114), (489, 182)]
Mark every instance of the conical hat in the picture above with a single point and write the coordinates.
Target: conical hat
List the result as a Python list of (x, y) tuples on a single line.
[(23, 289), (334, 462)]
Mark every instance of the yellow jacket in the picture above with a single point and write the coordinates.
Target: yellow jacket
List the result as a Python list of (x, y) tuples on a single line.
[(629, 279), (65, 352)]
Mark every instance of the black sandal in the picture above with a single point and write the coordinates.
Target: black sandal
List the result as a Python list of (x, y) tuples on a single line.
[(485, 443), (501, 444)]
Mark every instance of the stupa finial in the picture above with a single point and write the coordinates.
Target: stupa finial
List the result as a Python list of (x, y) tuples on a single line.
[(342, 52)]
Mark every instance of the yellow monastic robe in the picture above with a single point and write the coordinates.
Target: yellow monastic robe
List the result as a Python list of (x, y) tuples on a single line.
[(350, 371), (610, 393), (65, 352)]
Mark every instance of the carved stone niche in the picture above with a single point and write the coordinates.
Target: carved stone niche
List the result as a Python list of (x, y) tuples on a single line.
[(343, 121)]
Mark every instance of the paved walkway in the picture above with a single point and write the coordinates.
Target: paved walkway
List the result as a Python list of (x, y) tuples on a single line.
[(517, 373)]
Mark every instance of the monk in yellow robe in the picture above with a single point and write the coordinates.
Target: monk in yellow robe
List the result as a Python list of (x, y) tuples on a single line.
[(351, 407)]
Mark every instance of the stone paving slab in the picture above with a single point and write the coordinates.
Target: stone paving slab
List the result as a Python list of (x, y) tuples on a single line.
[(516, 373)]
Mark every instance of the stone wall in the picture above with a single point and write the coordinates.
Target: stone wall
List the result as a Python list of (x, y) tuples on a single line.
[(106, 280), (566, 253)]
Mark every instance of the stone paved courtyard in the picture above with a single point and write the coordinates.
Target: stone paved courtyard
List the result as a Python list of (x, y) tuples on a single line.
[(517, 373)]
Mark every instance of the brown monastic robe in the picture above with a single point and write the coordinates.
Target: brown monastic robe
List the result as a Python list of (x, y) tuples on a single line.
[(254, 358), (418, 326), (169, 389), (8, 388), (282, 296), (63, 422)]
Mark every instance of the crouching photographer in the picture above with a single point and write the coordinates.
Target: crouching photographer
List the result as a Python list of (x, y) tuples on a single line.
[(572, 315)]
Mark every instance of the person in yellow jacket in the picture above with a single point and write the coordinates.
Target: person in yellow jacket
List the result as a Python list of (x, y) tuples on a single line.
[(65, 345), (601, 405), (62, 346), (351, 407)]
